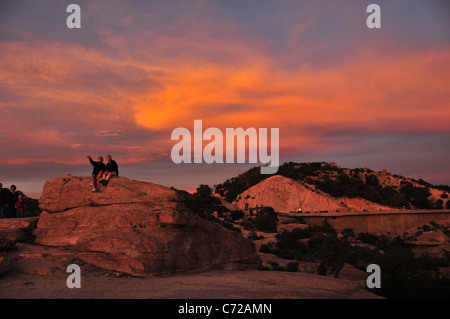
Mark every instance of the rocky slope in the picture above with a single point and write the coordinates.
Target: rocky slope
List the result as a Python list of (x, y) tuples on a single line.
[(285, 195)]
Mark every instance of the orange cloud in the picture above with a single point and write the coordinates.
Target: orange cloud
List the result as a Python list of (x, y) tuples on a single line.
[(406, 92)]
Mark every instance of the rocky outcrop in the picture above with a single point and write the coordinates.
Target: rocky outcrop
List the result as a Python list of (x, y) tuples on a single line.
[(17, 229), (433, 242), (285, 195), (64, 193), (135, 227)]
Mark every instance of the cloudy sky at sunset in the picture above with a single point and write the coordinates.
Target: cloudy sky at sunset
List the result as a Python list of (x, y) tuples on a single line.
[(136, 70)]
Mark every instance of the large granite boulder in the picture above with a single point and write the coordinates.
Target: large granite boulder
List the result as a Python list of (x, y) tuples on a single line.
[(135, 227)]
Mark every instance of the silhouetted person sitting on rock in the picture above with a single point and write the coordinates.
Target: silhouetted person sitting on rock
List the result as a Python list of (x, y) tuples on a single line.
[(97, 172), (112, 169)]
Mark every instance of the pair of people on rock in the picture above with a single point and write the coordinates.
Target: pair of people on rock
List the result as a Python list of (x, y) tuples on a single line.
[(102, 173)]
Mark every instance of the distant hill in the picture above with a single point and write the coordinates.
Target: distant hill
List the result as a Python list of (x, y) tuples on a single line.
[(382, 188), (286, 195)]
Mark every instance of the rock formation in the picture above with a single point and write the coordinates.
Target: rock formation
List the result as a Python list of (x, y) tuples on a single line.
[(18, 230), (431, 241), (285, 195), (135, 227)]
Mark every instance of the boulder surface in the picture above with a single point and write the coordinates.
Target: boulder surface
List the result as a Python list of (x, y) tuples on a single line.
[(134, 227)]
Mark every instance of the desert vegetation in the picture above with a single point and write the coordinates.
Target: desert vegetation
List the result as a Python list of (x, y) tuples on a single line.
[(324, 250), (404, 275), (207, 206)]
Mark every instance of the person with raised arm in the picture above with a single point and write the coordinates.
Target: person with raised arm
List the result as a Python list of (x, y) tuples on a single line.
[(97, 171)]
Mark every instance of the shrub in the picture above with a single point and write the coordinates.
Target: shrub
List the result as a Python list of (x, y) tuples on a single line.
[(230, 226), (368, 238), (436, 225), (237, 214), (331, 251), (264, 249), (290, 238), (292, 267), (275, 266), (348, 232), (360, 257), (327, 228), (300, 220), (254, 236), (248, 225), (418, 196), (203, 203), (267, 222)]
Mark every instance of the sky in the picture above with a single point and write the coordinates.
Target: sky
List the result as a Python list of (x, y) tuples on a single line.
[(136, 70)]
